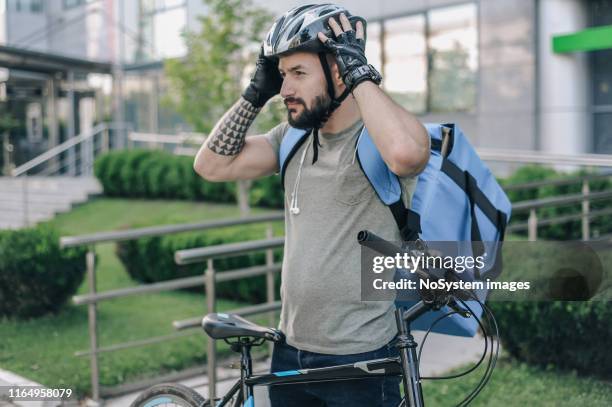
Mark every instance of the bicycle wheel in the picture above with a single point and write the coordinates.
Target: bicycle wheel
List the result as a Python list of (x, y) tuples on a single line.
[(169, 394)]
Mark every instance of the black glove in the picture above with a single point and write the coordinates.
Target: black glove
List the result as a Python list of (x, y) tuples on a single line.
[(265, 83), (352, 63)]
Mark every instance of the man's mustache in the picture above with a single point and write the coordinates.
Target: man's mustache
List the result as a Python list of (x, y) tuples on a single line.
[(294, 100)]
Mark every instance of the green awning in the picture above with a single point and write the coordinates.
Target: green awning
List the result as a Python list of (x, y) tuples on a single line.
[(591, 39)]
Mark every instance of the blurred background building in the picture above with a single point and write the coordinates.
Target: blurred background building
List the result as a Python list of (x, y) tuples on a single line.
[(524, 74)]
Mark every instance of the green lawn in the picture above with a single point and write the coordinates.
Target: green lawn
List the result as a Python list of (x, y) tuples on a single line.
[(521, 385), (42, 349)]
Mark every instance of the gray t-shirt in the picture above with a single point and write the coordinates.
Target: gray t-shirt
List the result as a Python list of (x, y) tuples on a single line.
[(322, 309)]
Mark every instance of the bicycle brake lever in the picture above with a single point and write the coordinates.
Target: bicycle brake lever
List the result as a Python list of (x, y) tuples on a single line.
[(452, 304)]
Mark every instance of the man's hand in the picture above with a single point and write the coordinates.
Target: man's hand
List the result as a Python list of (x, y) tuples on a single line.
[(349, 50), (265, 83), (400, 138)]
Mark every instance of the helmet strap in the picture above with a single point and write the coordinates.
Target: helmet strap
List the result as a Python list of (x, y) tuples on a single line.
[(335, 102)]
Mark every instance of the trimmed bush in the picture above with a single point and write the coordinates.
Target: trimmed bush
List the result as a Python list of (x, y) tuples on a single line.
[(157, 174), (267, 192), (572, 335), (36, 276), (151, 260), (567, 335)]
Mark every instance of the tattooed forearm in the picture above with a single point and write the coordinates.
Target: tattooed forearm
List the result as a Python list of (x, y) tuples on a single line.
[(227, 137)]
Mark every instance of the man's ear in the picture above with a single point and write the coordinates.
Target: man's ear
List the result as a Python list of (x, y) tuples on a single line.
[(335, 72)]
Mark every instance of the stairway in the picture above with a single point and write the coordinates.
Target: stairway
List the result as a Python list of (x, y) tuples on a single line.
[(28, 201)]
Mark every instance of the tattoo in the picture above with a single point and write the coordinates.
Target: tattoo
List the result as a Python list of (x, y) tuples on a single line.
[(228, 136)]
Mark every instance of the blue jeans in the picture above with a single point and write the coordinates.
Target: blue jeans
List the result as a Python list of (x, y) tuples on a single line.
[(373, 392)]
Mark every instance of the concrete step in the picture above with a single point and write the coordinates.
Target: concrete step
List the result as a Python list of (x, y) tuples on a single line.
[(18, 206), (69, 196), (41, 198), (50, 182), (53, 186), (31, 219)]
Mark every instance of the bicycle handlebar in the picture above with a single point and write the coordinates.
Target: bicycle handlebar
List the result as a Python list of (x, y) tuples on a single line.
[(377, 243)]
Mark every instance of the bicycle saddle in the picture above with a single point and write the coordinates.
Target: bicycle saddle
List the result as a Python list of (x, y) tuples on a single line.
[(224, 326)]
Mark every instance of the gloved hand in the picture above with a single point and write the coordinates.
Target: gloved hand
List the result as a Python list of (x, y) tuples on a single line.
[(265, 83), (349, 50)]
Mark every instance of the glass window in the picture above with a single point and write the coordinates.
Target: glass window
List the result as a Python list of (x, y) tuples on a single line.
[(36, 6), (602, 126), (405, 62), (601, 69), (453, 58), (167, 31), (73, 3), (373, 48)]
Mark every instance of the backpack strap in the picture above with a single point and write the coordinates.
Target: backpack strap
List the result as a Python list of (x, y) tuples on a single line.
[(385, 183), (290, 144), (387, 186)]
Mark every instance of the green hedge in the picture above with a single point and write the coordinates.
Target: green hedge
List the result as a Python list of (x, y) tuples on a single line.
[(36, 276), (267, 192), (150, 260), (567, 335), (157, 174)]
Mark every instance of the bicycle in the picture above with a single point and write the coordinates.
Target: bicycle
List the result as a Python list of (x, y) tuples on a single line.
[(242, 335)]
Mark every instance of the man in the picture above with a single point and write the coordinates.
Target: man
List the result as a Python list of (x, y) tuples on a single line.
[(329, 89)]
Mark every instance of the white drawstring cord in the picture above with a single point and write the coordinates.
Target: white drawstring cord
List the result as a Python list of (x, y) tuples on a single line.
[(293, 207)]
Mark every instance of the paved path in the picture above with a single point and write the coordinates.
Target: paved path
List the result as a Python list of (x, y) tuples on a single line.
[(441, 353), (10, 379)]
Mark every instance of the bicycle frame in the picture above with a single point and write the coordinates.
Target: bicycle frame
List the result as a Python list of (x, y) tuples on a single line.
[(406, 366)]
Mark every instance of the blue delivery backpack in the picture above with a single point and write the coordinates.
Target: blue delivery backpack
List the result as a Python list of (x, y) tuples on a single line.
[(456, 199)]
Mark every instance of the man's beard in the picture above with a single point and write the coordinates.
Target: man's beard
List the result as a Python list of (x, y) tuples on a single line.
[(310, 118)]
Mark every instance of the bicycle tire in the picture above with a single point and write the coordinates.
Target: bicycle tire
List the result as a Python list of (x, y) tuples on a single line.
[(170, 394)]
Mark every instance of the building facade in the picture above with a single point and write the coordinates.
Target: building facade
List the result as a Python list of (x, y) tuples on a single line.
[(488, 65)]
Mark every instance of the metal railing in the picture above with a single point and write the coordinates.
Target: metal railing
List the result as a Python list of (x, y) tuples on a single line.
[(585, 197), (210, 277), (75, 163), (208, 255), (64, 160), (183, 143), (93, 297), (538, 157)]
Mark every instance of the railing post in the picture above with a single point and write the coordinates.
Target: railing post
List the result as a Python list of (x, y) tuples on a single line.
[(26, 209), (93, 324), (91, 154), (105, 141), (586, 233), (71, 125), (532, 225), (130, 141), (83, 151), (270, 294), (7, 149), (211, 351)]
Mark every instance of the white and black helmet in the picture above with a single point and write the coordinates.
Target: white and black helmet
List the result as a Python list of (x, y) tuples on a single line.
[(297, 29)]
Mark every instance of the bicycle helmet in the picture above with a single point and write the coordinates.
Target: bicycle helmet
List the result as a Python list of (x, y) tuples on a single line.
[(297, 30)]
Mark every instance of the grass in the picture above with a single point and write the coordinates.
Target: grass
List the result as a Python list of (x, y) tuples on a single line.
[(518, 384), (43, 349)]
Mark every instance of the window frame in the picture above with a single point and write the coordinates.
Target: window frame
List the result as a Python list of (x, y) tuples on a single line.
[(424, 13)]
